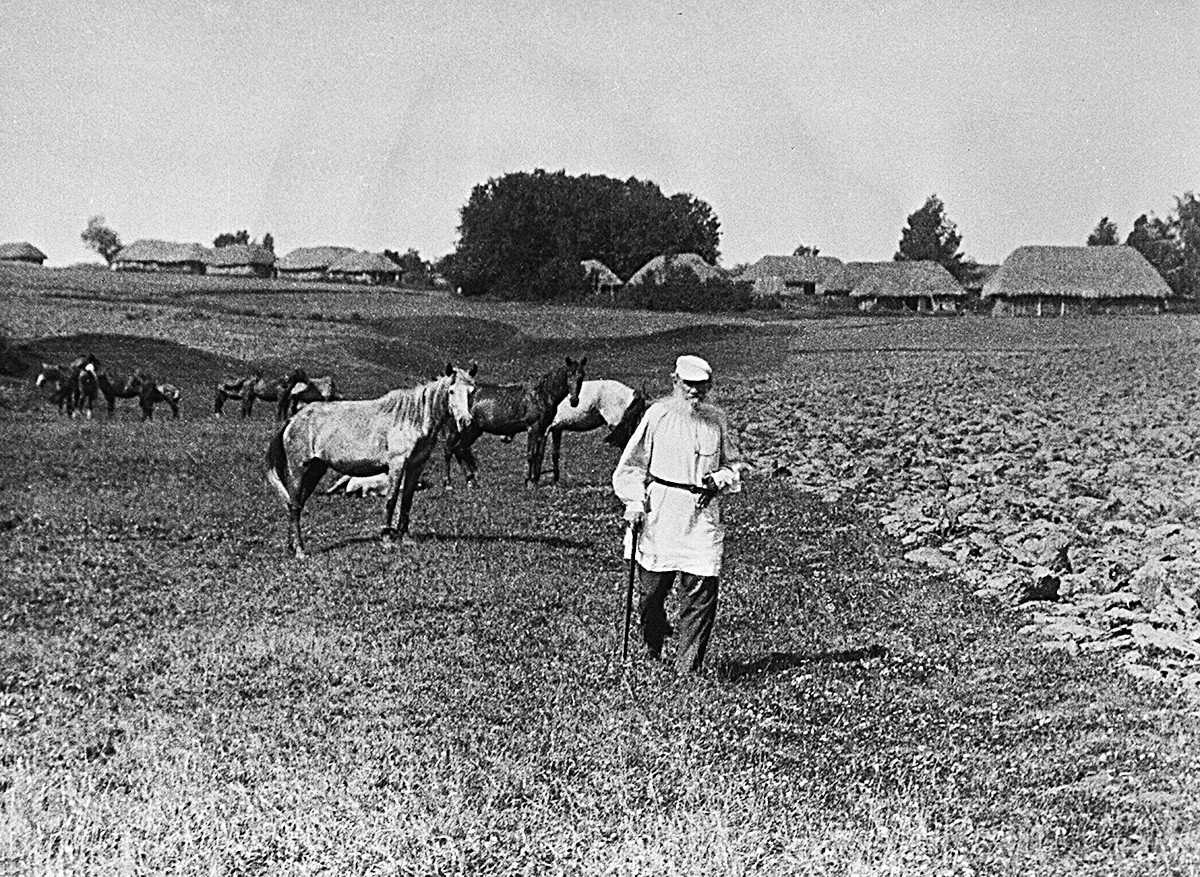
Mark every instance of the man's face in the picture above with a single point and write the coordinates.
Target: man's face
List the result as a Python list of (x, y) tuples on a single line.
[(693, 391)]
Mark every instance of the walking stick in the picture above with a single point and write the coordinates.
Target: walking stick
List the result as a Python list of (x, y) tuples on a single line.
[(634, 529)]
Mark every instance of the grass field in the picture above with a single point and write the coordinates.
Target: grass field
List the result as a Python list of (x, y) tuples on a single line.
[(177, 696)]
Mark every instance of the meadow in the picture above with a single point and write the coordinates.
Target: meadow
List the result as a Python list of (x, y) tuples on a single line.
[(178, 696)]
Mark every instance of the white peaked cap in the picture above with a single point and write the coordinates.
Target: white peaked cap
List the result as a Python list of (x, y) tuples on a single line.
[(693, 368)]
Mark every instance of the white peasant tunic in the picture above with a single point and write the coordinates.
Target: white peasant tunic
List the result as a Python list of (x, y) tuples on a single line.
[(681, 443)]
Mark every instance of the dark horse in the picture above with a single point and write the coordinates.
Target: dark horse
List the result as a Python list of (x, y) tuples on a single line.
[(73, 385), (140, 386), (322, 389), (247, 388), (508, 409), (393, 434)]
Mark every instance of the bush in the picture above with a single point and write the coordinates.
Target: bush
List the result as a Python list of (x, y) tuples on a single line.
[(682, 290), (556, 280)]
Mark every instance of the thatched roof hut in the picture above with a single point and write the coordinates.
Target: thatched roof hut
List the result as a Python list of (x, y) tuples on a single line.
[(244, 260), (310, 263), (792, 275), (912, 286), (21, 252), (1047, 280), (364, 267), (655, 271), (602, 279), (849, 276), (154, 255)]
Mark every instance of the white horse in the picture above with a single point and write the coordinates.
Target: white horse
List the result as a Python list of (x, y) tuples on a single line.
[(394, 434), (367, 485), (601, 403)]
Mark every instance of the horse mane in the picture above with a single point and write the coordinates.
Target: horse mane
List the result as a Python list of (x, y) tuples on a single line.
[(424, 406), (550, 382)]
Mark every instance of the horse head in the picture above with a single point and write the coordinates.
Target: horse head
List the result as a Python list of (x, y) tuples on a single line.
[(574, 376), (462, 389)]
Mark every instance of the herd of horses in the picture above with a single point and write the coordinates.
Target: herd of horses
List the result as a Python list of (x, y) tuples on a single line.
[(382, 445), (74, 386)]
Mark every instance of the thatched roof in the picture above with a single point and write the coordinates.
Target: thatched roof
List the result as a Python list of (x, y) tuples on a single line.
[(907, 280), (851, 275), (794, 269), (655, 270), (1076, 272), (21, 251), (311, 258), (239, 254), (163, 252), (364, 263), (599, 272)]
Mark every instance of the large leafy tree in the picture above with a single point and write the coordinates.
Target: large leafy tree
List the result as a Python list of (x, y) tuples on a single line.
[(930, 236), (99, 237), (1155, 239), (1187, 222), (1104, 234), (524, 234)]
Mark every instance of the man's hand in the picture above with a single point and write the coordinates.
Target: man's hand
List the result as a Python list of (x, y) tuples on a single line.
[(635, 515)]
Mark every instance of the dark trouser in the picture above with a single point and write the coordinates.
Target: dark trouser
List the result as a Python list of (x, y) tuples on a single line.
[(697, 613)]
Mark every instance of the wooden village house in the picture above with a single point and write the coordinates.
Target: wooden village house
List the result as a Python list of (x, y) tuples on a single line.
[(161, 256), (24, 253), (792, 276), (241, 260), (921, 287), (1054, 281), (602, 280), (370, 268), (309, 263)]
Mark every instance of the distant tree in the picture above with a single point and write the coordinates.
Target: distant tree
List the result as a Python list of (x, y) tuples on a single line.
[(268, 242), (414, 270), (229, 239), (1155, 239), (805, 250), (1187, 224), (99, 237), (514, 226), (931, 236), (1104, 234)]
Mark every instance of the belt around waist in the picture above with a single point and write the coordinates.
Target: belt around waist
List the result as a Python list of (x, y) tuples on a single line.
[(690, 488)]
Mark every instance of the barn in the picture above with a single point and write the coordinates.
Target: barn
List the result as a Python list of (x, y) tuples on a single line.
[(23, 252), (843, 282), (921, 287), (1040, 281), (370, 268), (163, 256), (789, 276), (241, 260), (655, 271), (601, 278), (309, 263)]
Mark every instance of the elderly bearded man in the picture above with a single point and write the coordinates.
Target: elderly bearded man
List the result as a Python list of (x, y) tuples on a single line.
[(671, 477)]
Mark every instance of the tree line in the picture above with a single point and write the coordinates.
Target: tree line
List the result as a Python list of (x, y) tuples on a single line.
[(1171, 244)]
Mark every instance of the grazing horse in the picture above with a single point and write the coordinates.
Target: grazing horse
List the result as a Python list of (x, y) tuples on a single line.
[(601, 403), (394, 433), (153, 393), (247, 388), (58, 381), (87, 386), (508, 409), (140, 386), (322, 389)]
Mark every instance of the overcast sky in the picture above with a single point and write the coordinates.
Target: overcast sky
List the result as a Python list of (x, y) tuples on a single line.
[(367, 123)]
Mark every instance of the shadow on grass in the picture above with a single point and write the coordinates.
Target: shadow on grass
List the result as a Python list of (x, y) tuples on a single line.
[(478, 538), (732, 671)]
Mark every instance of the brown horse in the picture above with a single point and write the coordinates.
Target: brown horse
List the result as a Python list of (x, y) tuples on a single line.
[(322, 389), (508, 409), (68, 387), (247, 388), (394, 434)]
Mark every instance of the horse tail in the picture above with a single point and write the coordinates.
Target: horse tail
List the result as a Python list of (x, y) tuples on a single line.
[(277, 464)]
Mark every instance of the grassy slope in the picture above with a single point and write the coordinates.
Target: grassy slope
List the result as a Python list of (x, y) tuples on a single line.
[(175, 694)]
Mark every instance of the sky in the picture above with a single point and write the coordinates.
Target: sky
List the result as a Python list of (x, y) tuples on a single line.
[(366, 124)]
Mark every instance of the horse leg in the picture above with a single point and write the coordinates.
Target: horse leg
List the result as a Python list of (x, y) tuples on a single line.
[(218, 402), (303, 484), (535, 453), (248, 403), (555, 446), (396, 477)]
